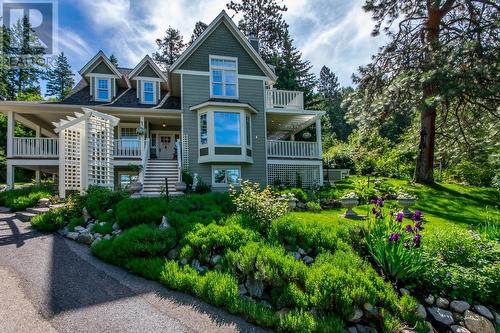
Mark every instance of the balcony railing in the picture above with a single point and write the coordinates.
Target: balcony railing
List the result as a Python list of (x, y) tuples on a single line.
[(293, 149), (128, 148), (284, 99), (35, 147)]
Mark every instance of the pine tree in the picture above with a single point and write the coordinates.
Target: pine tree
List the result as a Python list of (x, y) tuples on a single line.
[(293, 72), (59, 78), (262, 19), (169, 48), (6, 87), (114, 60), (199, 28)]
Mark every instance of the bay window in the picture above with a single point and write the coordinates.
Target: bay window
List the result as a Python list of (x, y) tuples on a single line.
[(223, 77), (227, 128), (203, 129)]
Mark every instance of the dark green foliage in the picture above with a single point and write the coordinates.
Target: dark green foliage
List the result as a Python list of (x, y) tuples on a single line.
[(50, 221), (297, 321), (105, 228), (170, 47), (75, 222), (20, 199), (149, 268), (143, 241), (59, 78), (134, 211), (114, 60), (199, 28), (99, 199)]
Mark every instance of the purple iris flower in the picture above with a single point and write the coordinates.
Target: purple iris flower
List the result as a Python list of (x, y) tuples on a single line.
[(373, 201), (418, 225), (417, 215), (378, 214), (374, 211), (380, 202), (416, 240), (394, 237), (409, 228), (399, 217)]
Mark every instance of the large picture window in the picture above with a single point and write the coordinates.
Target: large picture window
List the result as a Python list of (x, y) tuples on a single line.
[(224, 77), (223, 176), (227, 128)]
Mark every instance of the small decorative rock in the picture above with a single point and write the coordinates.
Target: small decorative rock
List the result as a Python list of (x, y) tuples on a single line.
[(63, 232), (308, 260), (370, 311), (242, 290), (365, 329), (116, 226), (97, 240), (72, 235), (296, 255), (483, 311), (477, 324), (85, 238), (164, 223), (86, 215), (404, 291), (443, 303), (173, 254), (459, 329), (255, 287), (301, 251), (109, 211), (429, 300), (441, 316), (107, 236), (79, 229), (283, 312), (459, 306), (215, 259), (356, 316), (421, 312), (352, 329)]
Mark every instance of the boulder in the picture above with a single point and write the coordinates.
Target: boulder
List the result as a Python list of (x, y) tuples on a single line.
[(442, 302), (404, 291), (352, 329), (296, 255), (483, 311), (370, 311), (107, 236), (477, 324), (116, 226), (365, 329), (63, 232), (283, 312), (86, 215), (255, 287), (308, 260), (440, 316), (85, 238), (301, 251), (173, 253), (459, 306), (459, 329), (97, 240), (242, 290), (215, 260), (80, 229), (356, 316), (164, 223), (429, 300), (72, 235), (421, 312)]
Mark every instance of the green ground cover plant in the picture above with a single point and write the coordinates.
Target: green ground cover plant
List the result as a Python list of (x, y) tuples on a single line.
[(22, 198)]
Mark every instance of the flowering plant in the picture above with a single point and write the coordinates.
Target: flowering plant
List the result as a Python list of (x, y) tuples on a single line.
[(406, 196), (393, 244), (350, 195)]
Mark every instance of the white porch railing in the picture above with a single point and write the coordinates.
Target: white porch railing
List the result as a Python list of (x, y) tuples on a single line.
[(127, 148), (178, 148), (293, 149), (144, 160), (284, 99), (35, 147)]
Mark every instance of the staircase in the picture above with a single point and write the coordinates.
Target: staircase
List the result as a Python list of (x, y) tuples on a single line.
[(154, 177)]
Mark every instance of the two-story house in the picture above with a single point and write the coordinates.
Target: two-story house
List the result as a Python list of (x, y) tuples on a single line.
[(213, 113)]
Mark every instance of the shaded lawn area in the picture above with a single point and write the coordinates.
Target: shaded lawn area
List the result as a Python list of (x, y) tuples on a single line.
[(441, 203)]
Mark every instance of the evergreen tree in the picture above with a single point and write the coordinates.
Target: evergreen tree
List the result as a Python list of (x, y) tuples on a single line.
[(262, 19), (6, 87), (114, 60), (293, 72), (170, 47), (199, 28), (59, 78)]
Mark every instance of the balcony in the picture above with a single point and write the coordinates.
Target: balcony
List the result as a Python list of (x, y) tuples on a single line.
[(284, 99), (35, 147), (293, 149), (128, 148)]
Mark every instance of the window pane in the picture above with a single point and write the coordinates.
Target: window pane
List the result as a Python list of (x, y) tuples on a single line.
[(247, 124), (203, 129), (103, 84), (230, 77), (148, 86), (219, 176), (217, 89), (148, 97), (233, 176), (227, 128), (231, 90), (230, 63), (217, 62), (217, 76), (103, 94)]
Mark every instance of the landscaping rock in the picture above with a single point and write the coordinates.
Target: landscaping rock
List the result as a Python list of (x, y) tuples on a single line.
[(308, 260), (79, 228), (107, 236), (86, 215), (283, 312), (63, 232), (90, 226), (421, 312), (97, 240), (116, 226), (477, 324), (85, 238), (497, 318), (459, 306), (44, 202), (255, 287), (109, 211), (370, 311), (215, 260), (97, 235), (242, 290), (459, 329), (404, 291), (173, 253), (296, 255), (183, 262), (443, 303), (441, 316), (301, 251), (408, 330), (72, 235), (164, 223), (117, 232), (429, 300), (356, 316), (329, 203), (483, 311), (352, 329), (365, 329)]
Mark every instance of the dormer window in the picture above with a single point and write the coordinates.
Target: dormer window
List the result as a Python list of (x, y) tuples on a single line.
[(148, 95), (223, 77), (103, 90)]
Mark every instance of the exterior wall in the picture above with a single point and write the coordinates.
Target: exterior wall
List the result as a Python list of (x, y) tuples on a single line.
[(222, 43), (102, 68), (148, 72)]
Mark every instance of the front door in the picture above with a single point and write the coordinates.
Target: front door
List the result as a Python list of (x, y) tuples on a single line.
[(166, 146)]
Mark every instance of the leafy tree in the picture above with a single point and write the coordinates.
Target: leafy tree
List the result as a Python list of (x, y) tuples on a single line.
[(199, 28), (170, 47), (59, 78), (441, 62), (262, 19), (293, 72), (114, 60), (331, 95)]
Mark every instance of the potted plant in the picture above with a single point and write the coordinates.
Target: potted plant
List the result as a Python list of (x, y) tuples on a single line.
[(140, 130), (349, 201), (406, 200)]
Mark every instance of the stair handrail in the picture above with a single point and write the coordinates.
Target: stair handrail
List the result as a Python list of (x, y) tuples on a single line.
[(144, 160), (179, 158)]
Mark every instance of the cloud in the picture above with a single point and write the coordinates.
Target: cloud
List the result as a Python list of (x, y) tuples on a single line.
[(73, 45)]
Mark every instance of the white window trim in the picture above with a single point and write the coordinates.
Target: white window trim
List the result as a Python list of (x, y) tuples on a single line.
[(243, 139), (124, 172), (96, 88), (249, 116), (225, 167), (143, 84), (210, 67)]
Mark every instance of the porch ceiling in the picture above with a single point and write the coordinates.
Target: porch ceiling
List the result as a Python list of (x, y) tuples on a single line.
[(280, 126)]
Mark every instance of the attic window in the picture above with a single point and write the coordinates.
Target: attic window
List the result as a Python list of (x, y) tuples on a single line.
[(223, 77), (103, 86), (148, 95)]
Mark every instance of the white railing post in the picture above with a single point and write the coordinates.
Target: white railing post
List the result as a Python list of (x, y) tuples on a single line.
[(144, 159), (11, 123), (179, 159), (293, 149), (35, 147)]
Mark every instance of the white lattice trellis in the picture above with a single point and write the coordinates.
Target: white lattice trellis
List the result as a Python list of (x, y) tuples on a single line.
[(294, 174), (88, 151), (185, 152)]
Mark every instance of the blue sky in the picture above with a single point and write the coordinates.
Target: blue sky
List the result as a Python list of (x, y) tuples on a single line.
[(335, 33)]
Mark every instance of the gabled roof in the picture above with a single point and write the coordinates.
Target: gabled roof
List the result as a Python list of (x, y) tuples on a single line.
[(147, 59), (223, 17), (99, 56)]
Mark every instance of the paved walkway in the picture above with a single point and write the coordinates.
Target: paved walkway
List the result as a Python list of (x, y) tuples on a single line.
[(51, 284)]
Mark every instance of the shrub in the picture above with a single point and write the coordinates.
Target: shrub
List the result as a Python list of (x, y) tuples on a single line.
[(149, 268), (99, 199), (22, 198), (102, 228), (298, 193), (260, 207), (134, 211), (75, 222), (297, 321), (143, 241), (313, 207), (50, 221)]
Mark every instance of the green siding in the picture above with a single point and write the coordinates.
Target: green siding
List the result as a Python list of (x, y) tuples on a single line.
[(222, 43), (227, 151), (102, 68), (148, 72)]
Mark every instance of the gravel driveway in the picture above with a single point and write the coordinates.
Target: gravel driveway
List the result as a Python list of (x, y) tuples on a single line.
[(51, 284)]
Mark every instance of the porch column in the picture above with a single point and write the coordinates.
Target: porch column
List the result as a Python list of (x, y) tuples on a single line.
[(11, 124), (10, 175), (38, 131), (320, 149), (62, 186)]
